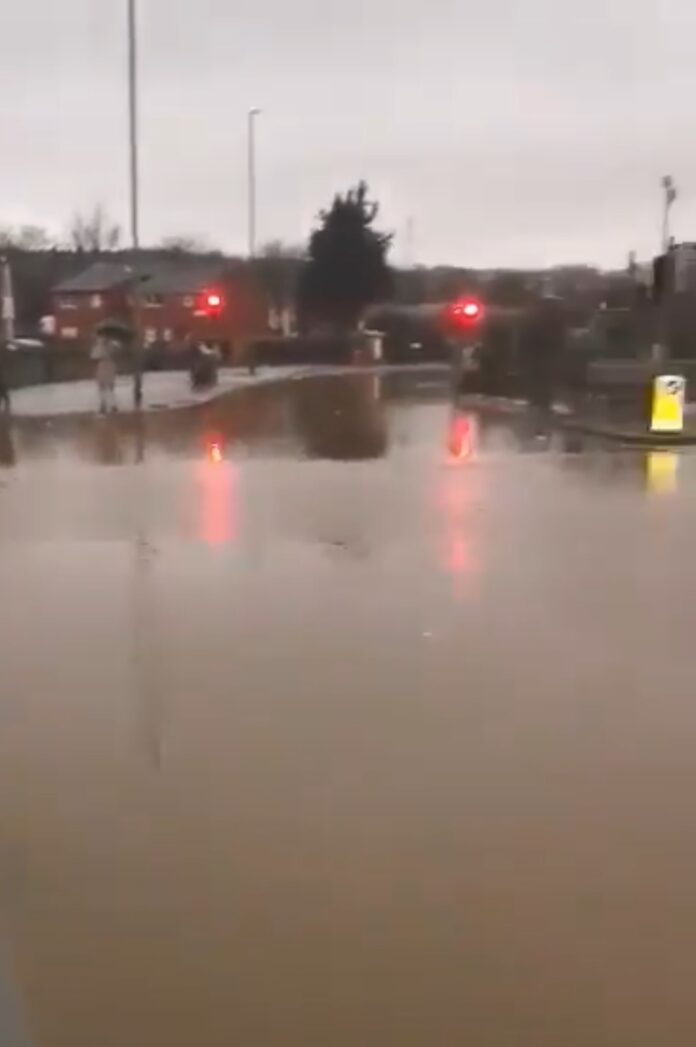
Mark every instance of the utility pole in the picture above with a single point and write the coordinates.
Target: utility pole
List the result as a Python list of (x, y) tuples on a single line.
[(133, 123), (409, 242), (661, 343), (251, 146), (134, 186), (670, 195)]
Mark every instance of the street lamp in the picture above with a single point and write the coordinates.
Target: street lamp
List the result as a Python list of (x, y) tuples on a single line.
[(133, 123), (134, 184), (251, 145), (669, 190)]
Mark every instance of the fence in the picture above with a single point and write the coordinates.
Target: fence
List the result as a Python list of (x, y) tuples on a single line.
[(41, 364), (25, 367)]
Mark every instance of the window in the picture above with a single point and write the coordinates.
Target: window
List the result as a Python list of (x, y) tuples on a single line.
[(96, 301), (188, 302), (67, 303), (154, 301), (68, 332)]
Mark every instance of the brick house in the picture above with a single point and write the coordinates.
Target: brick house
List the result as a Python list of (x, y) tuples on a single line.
[(80, 303), (192, 301), (170, 304)]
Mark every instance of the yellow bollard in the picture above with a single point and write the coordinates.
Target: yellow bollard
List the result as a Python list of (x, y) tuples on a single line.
[(667, 408)]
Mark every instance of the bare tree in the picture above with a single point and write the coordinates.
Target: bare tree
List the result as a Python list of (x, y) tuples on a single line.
[(94, 232), (26, 238), (187, 245), (278, 266), (278, 249)]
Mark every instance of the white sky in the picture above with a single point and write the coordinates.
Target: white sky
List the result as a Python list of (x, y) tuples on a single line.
[(515, 133)]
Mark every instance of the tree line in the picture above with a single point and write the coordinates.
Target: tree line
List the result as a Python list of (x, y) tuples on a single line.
[(343, 269), (89, 231)]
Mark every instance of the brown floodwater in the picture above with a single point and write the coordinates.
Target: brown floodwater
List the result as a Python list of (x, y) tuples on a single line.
[(333, 715)]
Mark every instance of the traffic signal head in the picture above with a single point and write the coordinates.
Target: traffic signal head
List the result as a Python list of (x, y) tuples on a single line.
[(212, 303), (465, 312)]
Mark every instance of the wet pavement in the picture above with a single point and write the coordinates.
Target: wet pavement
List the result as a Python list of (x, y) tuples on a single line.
[(333, 715)]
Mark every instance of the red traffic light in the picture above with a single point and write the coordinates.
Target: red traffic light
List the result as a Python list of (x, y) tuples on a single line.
[(210, 303), (465, 312)]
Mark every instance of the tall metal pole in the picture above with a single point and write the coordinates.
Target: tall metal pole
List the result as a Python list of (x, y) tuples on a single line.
[(133, 124), (669, 190), (665, 223), (251, 144), (134, 187), (408, 242)]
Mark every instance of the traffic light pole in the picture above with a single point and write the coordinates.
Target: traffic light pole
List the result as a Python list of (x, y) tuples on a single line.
[(134, 187), (133, 124), (251, 147)]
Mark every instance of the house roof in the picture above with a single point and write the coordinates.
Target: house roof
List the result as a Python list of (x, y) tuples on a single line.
[(102, 276), (163, 278), (183, 279)]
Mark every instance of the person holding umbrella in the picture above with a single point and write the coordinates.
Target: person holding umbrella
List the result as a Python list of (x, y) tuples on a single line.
[(103, 355), (110, 339)]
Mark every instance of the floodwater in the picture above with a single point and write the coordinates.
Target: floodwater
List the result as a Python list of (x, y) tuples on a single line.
[(332, 715)]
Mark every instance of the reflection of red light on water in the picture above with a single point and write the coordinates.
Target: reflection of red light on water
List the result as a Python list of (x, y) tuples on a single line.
[(458, 497), (461, 438), (459, 559), (218, 496)]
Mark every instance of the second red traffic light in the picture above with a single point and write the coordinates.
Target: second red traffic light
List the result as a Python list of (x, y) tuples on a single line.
[(466, 311)]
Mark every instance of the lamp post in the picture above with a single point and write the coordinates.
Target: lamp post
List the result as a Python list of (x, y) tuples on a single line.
[(669, 191), (133, 124), (134, 186), (251, 146)]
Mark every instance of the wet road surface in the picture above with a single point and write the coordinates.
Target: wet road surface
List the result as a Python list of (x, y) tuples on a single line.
[(330, 715)]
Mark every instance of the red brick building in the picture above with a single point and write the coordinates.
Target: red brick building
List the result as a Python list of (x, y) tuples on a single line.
[(171, 305), (80, 304), (191, 302)]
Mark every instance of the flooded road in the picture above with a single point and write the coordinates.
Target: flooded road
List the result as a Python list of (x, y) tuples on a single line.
[(331, 715)]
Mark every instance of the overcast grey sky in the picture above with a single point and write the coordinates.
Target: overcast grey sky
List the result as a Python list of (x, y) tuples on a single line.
[(514, 133)]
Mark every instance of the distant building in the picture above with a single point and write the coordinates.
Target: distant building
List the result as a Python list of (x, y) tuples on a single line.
[(170, 304), (683, 267), (193, 301), (80, 304)]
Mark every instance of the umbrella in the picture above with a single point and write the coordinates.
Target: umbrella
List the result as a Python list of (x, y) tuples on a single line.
[(122, 332)]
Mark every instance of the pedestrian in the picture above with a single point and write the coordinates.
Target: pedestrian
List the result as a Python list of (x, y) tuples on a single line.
[(543, 345), (104, 355), (5, 404)]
